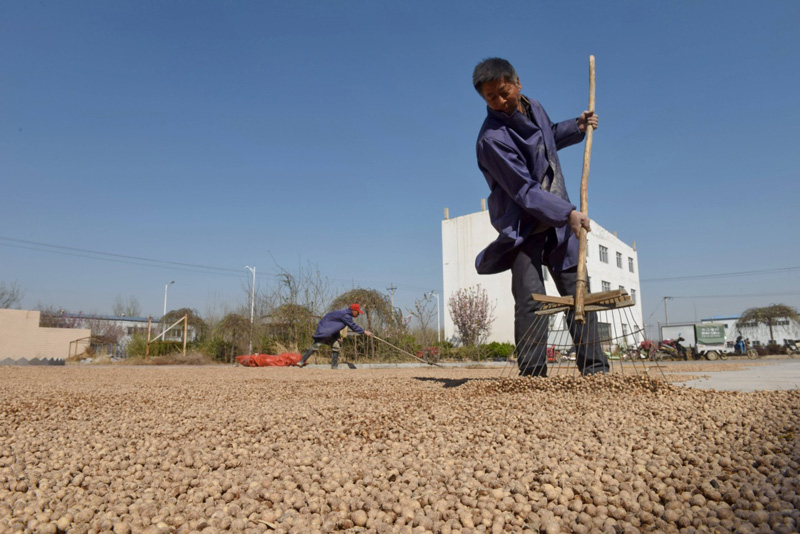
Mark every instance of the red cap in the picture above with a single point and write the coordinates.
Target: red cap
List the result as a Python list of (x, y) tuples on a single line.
[(356, 307)]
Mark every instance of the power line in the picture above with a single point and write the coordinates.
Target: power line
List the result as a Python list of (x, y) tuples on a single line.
[(737, 295), (113, 255), (148, 262), (114, 260), (723, 275)]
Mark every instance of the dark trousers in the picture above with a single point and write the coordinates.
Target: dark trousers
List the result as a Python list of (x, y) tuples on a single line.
[(334, 342), (530, 330)]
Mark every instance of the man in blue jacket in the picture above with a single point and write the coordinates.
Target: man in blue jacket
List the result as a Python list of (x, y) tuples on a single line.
[(329, 332), (517, 152)]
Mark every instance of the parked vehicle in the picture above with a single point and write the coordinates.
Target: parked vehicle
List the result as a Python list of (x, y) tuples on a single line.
[(710, 342), (671, 349), (647, 348), (554, 355), (791, 347), (643, 351), (742, 348)]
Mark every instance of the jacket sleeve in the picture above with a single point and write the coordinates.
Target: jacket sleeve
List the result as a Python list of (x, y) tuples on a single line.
[(567, 133), (348, 320), (507, 168)]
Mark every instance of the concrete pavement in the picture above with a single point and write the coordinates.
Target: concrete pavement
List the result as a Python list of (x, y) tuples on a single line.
[(777, 374)]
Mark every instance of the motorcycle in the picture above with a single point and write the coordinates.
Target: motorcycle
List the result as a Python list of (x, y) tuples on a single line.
[(791, 347), (671, 349), (644, 351), (742, 348), (647, 349)]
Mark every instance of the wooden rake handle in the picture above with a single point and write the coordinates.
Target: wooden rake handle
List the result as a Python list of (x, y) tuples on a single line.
[(580, 288)]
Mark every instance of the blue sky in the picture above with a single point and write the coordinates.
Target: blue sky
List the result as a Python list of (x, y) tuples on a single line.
[(333, 134)]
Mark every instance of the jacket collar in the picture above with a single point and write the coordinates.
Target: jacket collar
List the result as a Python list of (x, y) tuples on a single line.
[(517, 121)]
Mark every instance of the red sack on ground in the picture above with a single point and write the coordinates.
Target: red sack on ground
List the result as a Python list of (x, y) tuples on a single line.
[(268, 360)]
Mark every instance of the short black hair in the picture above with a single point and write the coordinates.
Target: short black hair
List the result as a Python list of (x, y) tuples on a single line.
[(492, 69)]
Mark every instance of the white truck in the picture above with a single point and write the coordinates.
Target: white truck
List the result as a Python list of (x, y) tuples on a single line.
[(710, 341)]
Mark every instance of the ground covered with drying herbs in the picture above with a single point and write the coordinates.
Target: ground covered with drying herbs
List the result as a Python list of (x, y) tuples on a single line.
[(212, 449)]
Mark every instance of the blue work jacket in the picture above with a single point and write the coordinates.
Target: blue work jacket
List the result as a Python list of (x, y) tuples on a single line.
[(515, 156), (333, 322)]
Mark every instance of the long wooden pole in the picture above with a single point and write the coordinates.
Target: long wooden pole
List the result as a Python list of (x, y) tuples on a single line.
[(405, 351), (580, 289)]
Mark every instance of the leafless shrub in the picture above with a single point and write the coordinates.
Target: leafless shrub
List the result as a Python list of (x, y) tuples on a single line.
[(10, 295), (126, 307), (472, 314)]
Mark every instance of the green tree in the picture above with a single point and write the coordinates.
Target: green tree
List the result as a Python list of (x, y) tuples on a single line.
[(768, 316), (377, 307), (193, 320), (234, 333)]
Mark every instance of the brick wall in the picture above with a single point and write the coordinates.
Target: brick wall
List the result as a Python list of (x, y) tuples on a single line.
[(22, 340)]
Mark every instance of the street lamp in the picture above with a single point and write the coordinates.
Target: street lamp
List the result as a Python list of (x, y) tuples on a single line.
[(252, 304), (438, 324), (165, 296)]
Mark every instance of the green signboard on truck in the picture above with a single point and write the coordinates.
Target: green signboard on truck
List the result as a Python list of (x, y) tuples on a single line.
[(709, 334)]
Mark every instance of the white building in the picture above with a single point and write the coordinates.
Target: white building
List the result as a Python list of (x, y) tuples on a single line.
[(611, 264)]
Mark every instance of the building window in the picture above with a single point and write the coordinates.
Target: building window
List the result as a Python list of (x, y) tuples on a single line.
[(633, 295), (603, 254), (619, 260), (630, 264), (604, 330), (606, 286), (622, 288)]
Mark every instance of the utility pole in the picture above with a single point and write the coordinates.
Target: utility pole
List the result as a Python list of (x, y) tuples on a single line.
[(165, 296), (666, 313), (252, 304), (392, 288), (166, 287)]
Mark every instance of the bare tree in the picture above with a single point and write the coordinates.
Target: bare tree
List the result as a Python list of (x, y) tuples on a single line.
[(291, 325), (424, 311), (768, 316), (102, 330), (472, 314), (307, 287), (10, 295), (126, 307)]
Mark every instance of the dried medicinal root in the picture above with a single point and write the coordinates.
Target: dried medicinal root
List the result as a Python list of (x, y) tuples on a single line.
[(168, 450)]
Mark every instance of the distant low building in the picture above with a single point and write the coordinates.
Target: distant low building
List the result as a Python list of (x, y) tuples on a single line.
[(112, 334), (612, 264)]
